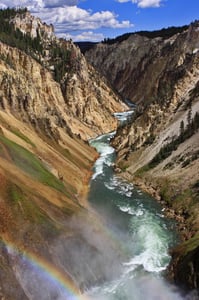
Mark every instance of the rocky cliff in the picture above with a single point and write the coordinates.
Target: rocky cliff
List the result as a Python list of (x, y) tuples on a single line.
[(33, 26), (86, 101), (142, 62), (159, 147), (45, 163)]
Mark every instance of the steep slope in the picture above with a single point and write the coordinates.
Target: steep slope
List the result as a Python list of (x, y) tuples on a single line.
[(83, 115), (159, 147), (142, 63), (45, 165), (87, 103)]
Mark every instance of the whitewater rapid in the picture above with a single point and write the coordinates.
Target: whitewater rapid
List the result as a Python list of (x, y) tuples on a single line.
[(148, 233)]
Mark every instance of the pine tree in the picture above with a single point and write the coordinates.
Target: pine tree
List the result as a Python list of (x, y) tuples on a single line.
[(182, 127), (189, 115)]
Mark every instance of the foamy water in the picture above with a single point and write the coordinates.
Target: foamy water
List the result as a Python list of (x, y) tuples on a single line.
[(149, 235)]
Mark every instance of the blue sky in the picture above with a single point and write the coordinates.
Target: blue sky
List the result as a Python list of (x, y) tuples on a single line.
[(94, 20)]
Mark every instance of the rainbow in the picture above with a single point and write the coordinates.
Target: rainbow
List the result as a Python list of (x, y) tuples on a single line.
[(52, 274)]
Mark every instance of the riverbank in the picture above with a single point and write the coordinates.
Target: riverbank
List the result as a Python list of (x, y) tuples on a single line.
[(175, 188), (135, 225), (155, 191), (183, 268)]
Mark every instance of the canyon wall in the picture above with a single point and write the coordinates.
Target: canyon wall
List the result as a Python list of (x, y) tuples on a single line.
[(51, 102), (159, 147)]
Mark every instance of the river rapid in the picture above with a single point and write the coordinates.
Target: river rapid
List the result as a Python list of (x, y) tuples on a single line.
[(137, 222)]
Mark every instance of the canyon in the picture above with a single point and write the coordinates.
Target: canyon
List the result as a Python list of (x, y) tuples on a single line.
[(53, 100)]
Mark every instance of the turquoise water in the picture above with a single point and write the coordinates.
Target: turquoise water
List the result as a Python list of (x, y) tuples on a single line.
[(130, 266), (138, 222)]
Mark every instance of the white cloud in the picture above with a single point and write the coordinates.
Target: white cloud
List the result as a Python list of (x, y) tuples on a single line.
[(73, 18), (67, 17), (148, 3), (58, 3), (35, 4), (144, 3), (2, 6)]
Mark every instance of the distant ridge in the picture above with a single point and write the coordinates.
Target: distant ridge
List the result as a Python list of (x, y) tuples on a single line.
[(164, 33), (85, 46)]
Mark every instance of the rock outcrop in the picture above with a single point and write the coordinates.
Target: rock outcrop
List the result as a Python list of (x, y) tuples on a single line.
[(185, 263), (33, 26)]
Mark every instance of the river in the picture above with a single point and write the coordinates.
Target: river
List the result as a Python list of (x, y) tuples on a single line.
[(133, 224), (137, 221)]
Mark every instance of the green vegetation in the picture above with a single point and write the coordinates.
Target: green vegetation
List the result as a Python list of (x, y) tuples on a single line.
[(142, 170), (189, 245), (61, 58), (22, 136), (165, 191), (193, 94), (123, 166), (182, 201), (30, 164), (164, 33), (190, 159), (9, 13), (75, 160), (185, 133), (196, 185), (15, 194), (59, 54), (85, 46), (183, 159), (14, 37), (150, 139), (164, 152), (7, 60), (24, 207)]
